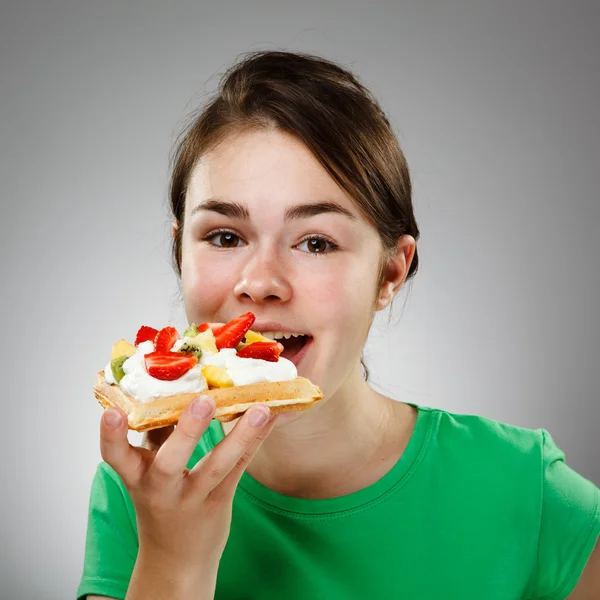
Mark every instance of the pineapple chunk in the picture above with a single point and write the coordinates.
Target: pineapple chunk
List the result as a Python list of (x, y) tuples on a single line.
[(122, 348), (207, 342), (251, 337), (216, 377)]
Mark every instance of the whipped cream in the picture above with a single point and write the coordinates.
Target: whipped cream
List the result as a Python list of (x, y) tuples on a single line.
[(138, 384), (250, 370)]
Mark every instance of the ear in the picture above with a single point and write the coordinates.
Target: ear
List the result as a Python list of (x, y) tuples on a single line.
[(175, 226), (396, 270)]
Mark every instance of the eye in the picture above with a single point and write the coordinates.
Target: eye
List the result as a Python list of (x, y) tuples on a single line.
[(318, 244), (223, 239)]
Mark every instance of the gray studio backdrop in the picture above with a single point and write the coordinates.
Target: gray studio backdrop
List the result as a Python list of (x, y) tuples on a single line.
[(496, 105)]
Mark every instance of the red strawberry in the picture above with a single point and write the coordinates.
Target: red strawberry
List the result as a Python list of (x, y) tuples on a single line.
[(165, 339), (168, 365), (264, 350), (231, 334), (215, 328), (145, 334)]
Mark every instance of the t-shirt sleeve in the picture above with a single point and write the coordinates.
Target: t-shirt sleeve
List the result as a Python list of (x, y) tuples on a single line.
[(111, 540), (569, 525)]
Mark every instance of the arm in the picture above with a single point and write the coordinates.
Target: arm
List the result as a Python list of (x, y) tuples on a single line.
[(588, 587), (183, 515), (568, 533), (157, 575)]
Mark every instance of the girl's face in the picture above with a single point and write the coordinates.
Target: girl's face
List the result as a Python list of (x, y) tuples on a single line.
[(267, 230)]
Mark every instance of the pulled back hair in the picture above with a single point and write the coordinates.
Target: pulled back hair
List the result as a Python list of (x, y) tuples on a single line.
[(332, 113)]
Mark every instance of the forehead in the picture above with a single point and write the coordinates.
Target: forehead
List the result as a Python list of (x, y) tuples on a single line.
[(263, 165)]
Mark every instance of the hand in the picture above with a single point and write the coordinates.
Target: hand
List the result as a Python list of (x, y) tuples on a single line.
[(183, 515)]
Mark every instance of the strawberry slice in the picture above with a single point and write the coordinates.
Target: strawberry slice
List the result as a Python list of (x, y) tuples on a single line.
[(264, 350), (145, 334), (231, 334), (215, 328), (168, 365), (165, 339)]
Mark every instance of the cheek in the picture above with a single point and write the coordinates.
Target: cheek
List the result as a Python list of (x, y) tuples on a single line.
[(341, 303), (344, 292), (204, 285)]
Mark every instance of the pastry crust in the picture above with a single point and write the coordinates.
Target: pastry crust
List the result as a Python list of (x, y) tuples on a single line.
[(232, 402)]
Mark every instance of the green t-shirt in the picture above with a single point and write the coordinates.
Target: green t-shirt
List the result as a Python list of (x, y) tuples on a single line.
[(473, 509)]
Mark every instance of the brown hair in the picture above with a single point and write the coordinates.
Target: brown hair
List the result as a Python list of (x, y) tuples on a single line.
[(331, 112)]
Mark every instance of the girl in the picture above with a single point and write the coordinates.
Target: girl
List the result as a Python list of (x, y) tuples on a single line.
[(291, 199)]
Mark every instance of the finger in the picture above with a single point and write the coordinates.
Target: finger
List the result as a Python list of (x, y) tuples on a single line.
[(116, 449), (226, 454), (226, 489), (155, 438), (173, 456)]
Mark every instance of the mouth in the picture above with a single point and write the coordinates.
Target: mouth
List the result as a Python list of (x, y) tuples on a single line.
[(295, 345)]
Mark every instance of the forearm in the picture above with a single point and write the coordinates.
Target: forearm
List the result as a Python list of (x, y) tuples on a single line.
[(155, 578)]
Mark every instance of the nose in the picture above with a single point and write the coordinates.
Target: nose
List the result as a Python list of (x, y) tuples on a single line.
[(262, 280)]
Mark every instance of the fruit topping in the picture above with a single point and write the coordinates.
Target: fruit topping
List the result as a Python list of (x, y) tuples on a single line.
[(165, 339), (250, 337), (116, 366), (191, 346), (263, 350), (191, 331), (145, 334), (122, 347), (231, 334), (207, 342), (212, 326), (216, 377), (168, 365)]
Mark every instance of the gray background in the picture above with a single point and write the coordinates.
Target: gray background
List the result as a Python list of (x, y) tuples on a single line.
[(496, 106)]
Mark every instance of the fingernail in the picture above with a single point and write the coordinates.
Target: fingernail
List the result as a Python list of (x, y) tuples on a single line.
[(202, 407), (112, 418), (258, 417)]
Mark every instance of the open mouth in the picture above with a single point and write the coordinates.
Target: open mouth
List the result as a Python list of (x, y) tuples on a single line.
[(294, 345)]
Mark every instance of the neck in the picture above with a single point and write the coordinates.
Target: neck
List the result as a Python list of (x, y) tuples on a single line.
[(335, 446)]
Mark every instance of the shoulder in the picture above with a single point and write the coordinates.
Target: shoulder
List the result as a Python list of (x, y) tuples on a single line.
[(489, 467), (493, 439), (490, 458), (525, 463), (518, 478)]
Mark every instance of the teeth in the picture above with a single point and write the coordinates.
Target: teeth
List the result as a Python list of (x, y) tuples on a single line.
[(277, 335)]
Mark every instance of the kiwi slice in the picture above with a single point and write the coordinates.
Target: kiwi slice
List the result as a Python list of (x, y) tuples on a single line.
[(191, 346), (191, 331), (116, 366)]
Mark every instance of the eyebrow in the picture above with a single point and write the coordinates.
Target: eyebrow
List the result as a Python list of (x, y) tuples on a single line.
[(236, 210)]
